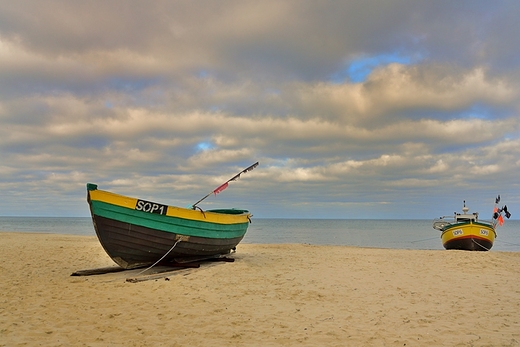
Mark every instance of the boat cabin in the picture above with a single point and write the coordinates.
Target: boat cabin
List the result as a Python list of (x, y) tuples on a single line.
[(443, 222), (464, 216)]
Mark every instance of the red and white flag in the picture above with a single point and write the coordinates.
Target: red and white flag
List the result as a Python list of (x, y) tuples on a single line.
[(221, 188)]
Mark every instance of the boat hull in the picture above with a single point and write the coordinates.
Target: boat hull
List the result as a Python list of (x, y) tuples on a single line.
[(469, 236), (137, 233)]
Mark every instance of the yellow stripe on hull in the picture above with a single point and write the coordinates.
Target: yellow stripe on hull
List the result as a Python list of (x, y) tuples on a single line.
[(172, 211)]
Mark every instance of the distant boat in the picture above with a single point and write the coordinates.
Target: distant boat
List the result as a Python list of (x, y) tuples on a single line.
[(138, 233), (465, 231)]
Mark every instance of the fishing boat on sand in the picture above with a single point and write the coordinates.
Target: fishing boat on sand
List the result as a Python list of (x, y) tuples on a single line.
[(465, 231), (137, 233)]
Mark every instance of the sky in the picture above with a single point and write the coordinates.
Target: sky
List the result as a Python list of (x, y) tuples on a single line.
[(396, 109)]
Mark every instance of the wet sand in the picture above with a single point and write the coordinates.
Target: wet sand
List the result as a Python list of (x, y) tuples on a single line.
[(272, 295)]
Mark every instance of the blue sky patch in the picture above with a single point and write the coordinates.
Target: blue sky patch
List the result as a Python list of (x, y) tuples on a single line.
[(357, 70), (203, 74), (479, 111), (204, 146)]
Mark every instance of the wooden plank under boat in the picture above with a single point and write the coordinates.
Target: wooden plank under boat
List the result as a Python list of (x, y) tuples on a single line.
[(465, 231), (138, 233)]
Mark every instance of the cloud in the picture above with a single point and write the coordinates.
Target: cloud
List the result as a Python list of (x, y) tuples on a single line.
[(345, 104)]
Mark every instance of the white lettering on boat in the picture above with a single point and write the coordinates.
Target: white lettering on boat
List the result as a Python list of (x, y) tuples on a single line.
[(151, 207), (484, 232), (457, 232)]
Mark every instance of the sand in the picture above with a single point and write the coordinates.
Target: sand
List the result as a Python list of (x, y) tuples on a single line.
[(272, 295)]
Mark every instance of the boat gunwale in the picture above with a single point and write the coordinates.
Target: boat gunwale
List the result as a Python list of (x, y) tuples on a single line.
[(451, 220), (214, 216)]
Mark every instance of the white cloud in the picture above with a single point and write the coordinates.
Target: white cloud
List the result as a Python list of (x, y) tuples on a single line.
[(124, 93)]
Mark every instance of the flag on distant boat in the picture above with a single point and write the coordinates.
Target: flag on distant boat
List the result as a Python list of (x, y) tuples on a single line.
[(508, 215), (497, 212)]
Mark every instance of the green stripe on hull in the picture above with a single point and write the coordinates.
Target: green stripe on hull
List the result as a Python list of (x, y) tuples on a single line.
[(167, 223)]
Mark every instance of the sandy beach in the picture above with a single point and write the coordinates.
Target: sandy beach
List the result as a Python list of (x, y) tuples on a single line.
[(271, 295)]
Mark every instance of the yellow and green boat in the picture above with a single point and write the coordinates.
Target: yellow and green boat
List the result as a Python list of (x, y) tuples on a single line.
[(465, 231), (138, 233)]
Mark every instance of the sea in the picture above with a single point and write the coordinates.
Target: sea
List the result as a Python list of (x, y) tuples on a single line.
[(372, 233)]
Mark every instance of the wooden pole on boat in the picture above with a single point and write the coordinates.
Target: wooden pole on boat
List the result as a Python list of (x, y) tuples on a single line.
[(225, 184)]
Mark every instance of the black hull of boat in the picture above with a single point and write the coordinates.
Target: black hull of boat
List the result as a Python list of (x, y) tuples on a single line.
[(132, 246), (469, 244)]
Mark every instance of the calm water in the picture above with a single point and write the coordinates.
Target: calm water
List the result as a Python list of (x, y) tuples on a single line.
[(400, 234)]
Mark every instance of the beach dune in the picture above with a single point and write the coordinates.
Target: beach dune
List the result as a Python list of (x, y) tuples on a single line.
[(272, 295)]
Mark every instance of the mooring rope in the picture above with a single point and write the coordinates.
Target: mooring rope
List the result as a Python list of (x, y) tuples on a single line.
[(487, 249), (428, 239), (151, 266)]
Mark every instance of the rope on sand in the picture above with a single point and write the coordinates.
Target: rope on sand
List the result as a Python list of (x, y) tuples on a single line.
[(151, 266)]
